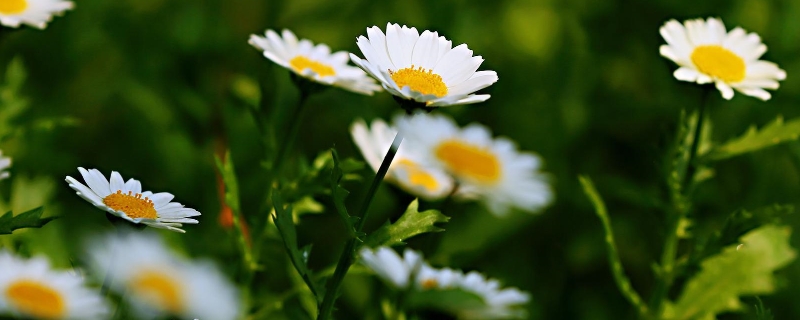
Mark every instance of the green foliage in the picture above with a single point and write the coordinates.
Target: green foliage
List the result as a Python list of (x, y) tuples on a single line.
[(774, 133), (743, 269), (226, 170), (452, 300), (762, 313), (28, 219), (410, 224), (298, 257), (339, 193)]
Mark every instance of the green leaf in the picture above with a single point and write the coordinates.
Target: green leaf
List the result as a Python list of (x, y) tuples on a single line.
[(285, 223), (339, 193), (743, 269), (226, 170), (410, 224), (29, 219), (774, 133), (762, 313)]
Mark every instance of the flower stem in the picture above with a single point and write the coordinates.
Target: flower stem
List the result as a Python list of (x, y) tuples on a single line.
[(348, 254), (291, 135)]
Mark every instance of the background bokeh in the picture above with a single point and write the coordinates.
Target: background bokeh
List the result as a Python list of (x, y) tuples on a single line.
[(150, 87)]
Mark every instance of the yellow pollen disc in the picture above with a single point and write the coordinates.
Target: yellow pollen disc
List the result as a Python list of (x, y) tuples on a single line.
[(428, 284), (300, 63), (719, 63), (36, 299), (13, 6), (132, 205), (419, 177), (420, 80), (469, 161), (158, 289)]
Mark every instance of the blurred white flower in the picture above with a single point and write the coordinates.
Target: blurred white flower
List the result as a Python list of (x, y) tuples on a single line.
[(126, 200), (491, 169), (316, 63), (158, 283), (30, 288), (707, 53), (500, 303), (406, 171), (5, 163), (390, 267), (424, 68), (35, 13)]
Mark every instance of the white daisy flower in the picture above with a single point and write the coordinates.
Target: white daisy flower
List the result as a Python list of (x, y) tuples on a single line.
[(429, 278), (406, 171), (30, 288), (5, 163), (707, 53), (390, 267), (127, 201), (423, 67), (158, 283), (486, 168), (35, 13), (313, 62), (500, 303)]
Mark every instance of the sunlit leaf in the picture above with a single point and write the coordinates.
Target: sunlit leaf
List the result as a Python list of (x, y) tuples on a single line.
[(742, 269), (285, 223), (29, 219), (410, 224), (774, 133)]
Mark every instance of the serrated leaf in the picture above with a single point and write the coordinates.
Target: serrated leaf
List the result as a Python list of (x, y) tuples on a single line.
[(742, 269), (410, 224), (285, 223), (29, 219), (339, 193), (774, 133)]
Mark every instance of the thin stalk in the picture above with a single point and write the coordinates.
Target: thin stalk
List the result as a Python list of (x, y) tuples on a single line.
[(291, 135), (348, 254)]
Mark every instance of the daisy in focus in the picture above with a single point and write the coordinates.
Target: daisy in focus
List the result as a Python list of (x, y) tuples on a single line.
[(406, 171), (5, 163), (35, 13), (157, 283), (29, 288), (486, 168), (707, 53), (316, 63), (423, 67), (127, 201)]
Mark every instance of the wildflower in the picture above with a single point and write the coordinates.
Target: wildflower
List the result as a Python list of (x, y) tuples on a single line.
[(315, 63), (499, 303), (127, 201), (35, 13), (424, 68), (490, 169), (5, 163), (157, 283), (707, 53), (390, 267), (406, 170), (30, 288)]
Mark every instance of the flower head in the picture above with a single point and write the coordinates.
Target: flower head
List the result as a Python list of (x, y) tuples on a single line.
[(423, 67), (390, 267), (707, 53), (316, 63), (499, 302), (487, 168), (30, 288), (127, 201), (5, 163), (158, 283), (35, 13), (407, 171)]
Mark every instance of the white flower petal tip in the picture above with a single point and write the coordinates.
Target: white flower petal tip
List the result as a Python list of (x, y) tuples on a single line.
[(30, 288), (5, 163), (313, 62), (34, 13), (127, 201), (424, 68), (707, 53)]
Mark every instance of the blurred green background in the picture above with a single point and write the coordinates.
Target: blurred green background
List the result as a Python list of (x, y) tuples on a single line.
[(150, 84)]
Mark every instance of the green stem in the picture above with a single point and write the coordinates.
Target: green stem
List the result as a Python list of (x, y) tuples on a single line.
[(291, 135), (348, 254)]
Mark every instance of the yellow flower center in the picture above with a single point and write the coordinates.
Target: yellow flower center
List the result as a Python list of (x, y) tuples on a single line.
[(419, 177), (159, 290), (719, 63), (301, 63), (420, 80), (36, 299), (429, 284), (132, 205), (13, 6), (469, 161)]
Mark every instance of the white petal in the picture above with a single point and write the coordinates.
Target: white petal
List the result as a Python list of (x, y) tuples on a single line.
[(394, 45), (686, 74), (725, 89), (756, 92), (116, 182), (479, 80), (426, 50)]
